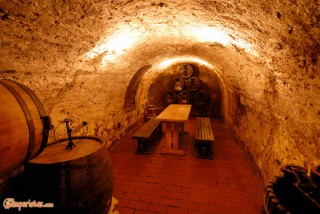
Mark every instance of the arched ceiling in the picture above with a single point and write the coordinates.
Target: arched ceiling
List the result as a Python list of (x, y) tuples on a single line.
[(80, 56), (265, 31)]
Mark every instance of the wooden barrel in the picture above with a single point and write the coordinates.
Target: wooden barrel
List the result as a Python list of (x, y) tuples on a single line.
[(151, 111), (184, 97), (193, 84), (178, 84), (79, 180), (185, 71), (24, 126), (170, 97)]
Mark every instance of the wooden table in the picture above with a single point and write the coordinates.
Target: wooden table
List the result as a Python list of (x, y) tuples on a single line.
[(173, 118)]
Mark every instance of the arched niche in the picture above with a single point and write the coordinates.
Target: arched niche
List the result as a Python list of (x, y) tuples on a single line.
[(208, 88), (130, 97), (154, 84)]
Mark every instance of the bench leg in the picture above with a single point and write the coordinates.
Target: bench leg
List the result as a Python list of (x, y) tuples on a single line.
[(204, 150), (142, 146)]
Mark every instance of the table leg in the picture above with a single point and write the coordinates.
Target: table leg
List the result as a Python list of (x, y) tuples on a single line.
[(168, 128), (172, 138), (175, 137), (182, 131)]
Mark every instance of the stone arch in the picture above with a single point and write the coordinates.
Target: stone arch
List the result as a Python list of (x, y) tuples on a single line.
[(130, 97), (149, 80)]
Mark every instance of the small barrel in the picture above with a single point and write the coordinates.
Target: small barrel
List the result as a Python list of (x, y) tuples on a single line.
[(77, 180), (151, 111), (24, 126)]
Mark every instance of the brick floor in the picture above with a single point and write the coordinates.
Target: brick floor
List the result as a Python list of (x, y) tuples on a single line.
[(163, 183)]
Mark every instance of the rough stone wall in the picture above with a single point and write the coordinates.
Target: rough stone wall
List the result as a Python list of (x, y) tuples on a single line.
[(266, 52), (42, 46), (279, 124), (283, 121)]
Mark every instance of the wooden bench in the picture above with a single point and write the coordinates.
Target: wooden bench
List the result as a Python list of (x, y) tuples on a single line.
[(144, 134), (204, 137)]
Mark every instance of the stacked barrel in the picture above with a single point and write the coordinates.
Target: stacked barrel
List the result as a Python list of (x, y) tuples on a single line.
[(184, 89)]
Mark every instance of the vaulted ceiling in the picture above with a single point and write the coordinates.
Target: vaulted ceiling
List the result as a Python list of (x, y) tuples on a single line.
[(80, 57)]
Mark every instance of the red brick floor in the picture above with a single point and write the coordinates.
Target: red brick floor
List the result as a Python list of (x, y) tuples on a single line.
[(163, 183)]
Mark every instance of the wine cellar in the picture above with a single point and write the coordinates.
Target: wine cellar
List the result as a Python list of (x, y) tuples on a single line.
[(171, 107)]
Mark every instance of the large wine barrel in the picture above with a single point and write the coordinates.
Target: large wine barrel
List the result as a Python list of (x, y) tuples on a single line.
[(185, 71), (171, 97), (178, 84), (184, 97), (77, 180), (24, 126), (193, 84)]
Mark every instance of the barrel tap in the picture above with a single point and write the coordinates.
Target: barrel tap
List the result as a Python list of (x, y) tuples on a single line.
[(69, 130)]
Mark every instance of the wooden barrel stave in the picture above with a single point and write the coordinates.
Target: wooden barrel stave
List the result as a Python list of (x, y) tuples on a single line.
[(14, 117), (36, 118)]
